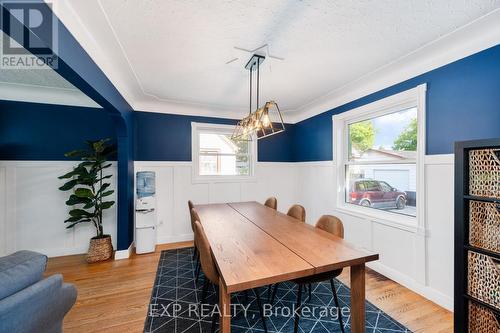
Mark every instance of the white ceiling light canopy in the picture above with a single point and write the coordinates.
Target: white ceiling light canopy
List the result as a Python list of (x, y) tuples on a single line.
[(264, 121)]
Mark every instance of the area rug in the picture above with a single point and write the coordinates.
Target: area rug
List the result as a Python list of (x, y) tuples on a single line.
[(174, 305)]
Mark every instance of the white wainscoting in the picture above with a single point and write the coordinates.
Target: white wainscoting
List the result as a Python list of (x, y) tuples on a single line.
[(32, 210), (422, 260), (174, 187)]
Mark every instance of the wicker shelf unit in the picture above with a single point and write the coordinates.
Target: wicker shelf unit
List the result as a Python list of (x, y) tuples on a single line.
[(477, 236)]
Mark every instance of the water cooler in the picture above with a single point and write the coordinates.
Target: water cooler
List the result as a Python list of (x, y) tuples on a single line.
[(145, 213)]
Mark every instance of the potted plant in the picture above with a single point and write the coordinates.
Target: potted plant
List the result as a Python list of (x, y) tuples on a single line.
[(89, 192)]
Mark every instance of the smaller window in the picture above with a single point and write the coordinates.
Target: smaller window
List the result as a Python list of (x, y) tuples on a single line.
[(216, 155)]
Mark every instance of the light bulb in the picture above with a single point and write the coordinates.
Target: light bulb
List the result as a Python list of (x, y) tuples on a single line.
[(265, 121)]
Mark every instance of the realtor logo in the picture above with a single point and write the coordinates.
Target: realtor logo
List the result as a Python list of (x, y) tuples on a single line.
[(30, 35)]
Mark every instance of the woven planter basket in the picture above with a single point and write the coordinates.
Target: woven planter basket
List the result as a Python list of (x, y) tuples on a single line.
[(100, 249)]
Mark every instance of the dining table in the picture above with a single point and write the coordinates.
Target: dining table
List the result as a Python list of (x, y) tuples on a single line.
[(254, 246)]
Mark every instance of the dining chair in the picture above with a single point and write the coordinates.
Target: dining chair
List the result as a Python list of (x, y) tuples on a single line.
[(271, 202), (334, 226), (298, 212), (190, 207), (211, 273), (196, 253)]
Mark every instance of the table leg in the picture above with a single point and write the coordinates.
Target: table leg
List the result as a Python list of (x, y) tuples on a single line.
[(358, 298), (225, 308)]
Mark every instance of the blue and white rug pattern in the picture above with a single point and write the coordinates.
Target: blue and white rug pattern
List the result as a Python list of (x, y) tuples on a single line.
[(174, 305)]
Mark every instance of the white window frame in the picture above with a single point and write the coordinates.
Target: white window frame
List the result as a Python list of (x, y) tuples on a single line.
[(196, 130), (407, 99)]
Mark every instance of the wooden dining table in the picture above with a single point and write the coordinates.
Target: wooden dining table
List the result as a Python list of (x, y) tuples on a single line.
[(254, 246)]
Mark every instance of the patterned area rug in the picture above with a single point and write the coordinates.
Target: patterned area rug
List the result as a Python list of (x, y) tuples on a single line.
[(174, 305)]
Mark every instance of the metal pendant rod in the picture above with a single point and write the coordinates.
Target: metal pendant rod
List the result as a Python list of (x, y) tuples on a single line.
[(250, 72), (258, 82)]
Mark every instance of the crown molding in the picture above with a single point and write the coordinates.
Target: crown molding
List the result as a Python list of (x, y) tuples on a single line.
[(187, 109), (467, 40), (97, 39), (472, 38), (45, 95)]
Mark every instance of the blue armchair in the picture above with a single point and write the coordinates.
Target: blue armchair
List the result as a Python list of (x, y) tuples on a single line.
[(29, 303)]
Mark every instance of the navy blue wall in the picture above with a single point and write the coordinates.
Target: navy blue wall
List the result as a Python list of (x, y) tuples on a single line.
[(167, 137), (77, 67), (32, 131), (463, 103)]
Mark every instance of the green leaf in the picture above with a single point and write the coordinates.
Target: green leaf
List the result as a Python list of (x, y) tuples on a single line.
[(73, 219), (84, 193), (74, 200), (77, 153), (70, 174), (75, 223), (69, 185), (105, 194), (90, 204), (80, 213), (103, 187), (106, 204), (105, 177), (100, 145)]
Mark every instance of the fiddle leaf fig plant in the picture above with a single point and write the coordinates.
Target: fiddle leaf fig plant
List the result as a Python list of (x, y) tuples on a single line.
[(88, 185)]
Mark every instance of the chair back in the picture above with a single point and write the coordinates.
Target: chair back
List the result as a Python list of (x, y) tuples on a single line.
[(331, 224), (191, 207), (206, 259), (298, 212), (271, 202), (194, 217)]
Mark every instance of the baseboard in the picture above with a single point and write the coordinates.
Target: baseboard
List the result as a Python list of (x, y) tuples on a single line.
[(431, 294), (62, 252), (124, 254), (176, 239)]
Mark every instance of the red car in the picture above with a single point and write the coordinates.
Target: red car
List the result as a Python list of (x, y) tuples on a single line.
[(376, 194)]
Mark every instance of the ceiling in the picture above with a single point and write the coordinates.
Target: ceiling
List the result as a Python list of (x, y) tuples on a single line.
[(188, 56), (40, 85)]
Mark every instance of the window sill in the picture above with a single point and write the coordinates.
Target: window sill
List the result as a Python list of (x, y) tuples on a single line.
[(402, 222), (223, 179)]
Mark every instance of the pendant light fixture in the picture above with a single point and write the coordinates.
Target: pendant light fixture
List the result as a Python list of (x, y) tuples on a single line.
[(264, 121)]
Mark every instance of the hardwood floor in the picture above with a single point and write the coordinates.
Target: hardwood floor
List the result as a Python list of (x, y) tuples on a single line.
[(113, 296)]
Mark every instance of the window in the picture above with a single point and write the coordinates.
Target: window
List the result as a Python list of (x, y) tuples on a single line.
[(379, 156), (216, 156)]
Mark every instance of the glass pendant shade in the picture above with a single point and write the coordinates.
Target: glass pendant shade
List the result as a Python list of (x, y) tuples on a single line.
[(262, 123)]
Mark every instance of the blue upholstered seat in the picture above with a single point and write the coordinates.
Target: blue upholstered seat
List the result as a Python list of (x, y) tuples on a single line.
[(29, 303)]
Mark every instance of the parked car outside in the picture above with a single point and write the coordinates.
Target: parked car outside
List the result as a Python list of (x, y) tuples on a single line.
[(376, 194)]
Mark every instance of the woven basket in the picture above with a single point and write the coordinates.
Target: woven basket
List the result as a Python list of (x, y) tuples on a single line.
[(484, 225), (100, 249), (482, 319), (484, 278), (484, 172)]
